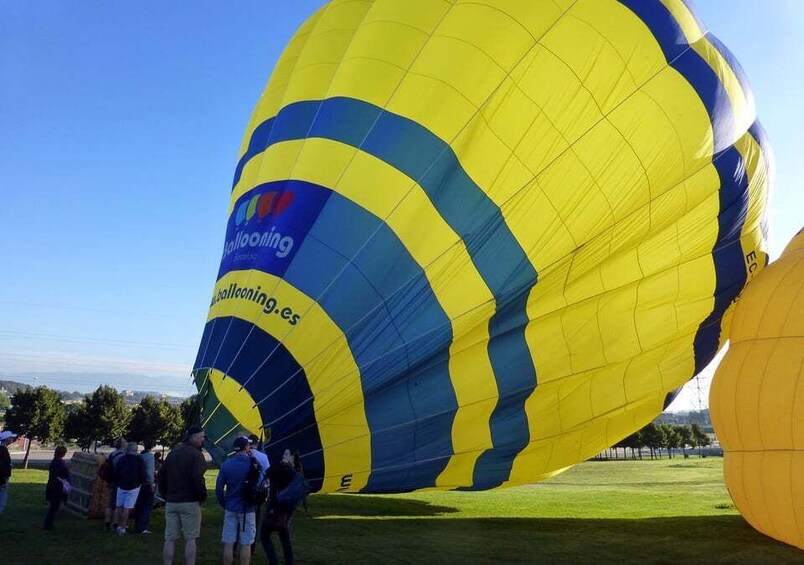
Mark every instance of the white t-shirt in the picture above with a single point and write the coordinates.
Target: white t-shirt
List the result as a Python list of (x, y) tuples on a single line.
[(262, 459)]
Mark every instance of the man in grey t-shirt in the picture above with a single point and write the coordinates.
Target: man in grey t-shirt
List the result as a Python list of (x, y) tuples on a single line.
[(145, 501)]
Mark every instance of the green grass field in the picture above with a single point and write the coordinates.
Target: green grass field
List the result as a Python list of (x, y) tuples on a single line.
[(597, 512)]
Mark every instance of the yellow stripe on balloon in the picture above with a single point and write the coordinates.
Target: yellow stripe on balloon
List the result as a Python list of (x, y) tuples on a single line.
[(329, 366), (310, 62), (271, 99), (238, 402)]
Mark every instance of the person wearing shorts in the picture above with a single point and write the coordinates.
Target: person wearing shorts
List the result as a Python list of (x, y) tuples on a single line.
[(129, 474), (181, 483), (239, 515), (182, 520)]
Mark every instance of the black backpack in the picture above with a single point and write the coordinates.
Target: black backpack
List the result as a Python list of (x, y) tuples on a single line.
[(297, 490), (106, 471), (254, 491)]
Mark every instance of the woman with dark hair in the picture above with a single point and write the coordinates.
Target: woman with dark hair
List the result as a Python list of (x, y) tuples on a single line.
[(277, 516), (299, 468), (58, 484)]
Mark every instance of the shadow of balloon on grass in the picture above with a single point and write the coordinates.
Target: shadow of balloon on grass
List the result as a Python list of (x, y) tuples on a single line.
[(379, 529)]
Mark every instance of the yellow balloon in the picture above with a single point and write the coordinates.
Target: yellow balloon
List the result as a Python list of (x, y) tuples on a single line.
[(470, 244), (757, 400)]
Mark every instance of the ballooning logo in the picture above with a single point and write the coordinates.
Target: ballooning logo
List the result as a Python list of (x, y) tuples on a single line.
[(261, 206)]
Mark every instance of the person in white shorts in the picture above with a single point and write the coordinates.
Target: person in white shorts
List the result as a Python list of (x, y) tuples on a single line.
[(129, 474), (239, 516)]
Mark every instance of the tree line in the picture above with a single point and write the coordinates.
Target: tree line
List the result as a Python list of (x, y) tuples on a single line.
[(100, 417), (658, 437)]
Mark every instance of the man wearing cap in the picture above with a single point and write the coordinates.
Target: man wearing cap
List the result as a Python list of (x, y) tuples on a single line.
[(239, 516), (5, 466), (181, 483)]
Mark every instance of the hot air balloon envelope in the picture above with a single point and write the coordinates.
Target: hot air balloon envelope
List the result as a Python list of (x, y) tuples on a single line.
[(472, 243)]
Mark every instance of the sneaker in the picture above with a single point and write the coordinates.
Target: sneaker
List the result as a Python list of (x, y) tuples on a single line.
[(121, 531), (145, 532)]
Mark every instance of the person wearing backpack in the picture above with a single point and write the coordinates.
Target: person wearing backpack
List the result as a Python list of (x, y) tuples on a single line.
[(237, 490), (106, 473), (278, 512)]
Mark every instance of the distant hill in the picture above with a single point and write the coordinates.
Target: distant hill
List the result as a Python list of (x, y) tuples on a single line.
[(10, 387), (84, 382), (130, 396)]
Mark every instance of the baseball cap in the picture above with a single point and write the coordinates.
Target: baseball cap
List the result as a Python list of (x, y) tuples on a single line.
[(240, 442), (4, 435), (192, 430)]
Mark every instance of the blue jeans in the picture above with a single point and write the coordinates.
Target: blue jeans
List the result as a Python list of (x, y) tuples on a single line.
[(142, 510), (3, 497), (50, 516)]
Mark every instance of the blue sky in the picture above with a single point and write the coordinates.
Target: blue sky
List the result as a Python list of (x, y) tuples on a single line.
[(121, 123)]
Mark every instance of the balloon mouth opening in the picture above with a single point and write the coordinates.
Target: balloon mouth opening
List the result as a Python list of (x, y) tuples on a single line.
[(221, 401)]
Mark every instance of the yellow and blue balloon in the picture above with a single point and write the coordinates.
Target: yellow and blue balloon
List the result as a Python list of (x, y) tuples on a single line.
[(470, 244)]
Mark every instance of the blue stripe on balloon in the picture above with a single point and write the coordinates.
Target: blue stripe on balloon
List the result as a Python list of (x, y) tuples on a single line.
[(732, 61), (733, 194), (352, 263), (727, 253), (495, 252), (758, 133), (682, 57), (298, 430)]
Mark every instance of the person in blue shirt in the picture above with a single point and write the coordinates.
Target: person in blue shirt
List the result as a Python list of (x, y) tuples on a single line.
[(239, 519)]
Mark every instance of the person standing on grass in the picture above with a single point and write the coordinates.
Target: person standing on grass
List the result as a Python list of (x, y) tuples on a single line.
[(107, 474), (129, 474), (6, 438), (181, 483), (257, 453), (145, 500), (58, 481), (277, 516), (239, 514)]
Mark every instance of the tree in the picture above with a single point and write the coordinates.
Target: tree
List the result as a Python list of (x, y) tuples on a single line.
[(672, 439), (157, 420), (685, 433), (174, 425), (37, 414), (653, 438), (146, 420), (107, 414), (701, 439), (632, 442), (191, 411), (78, 426), (5, 403)]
